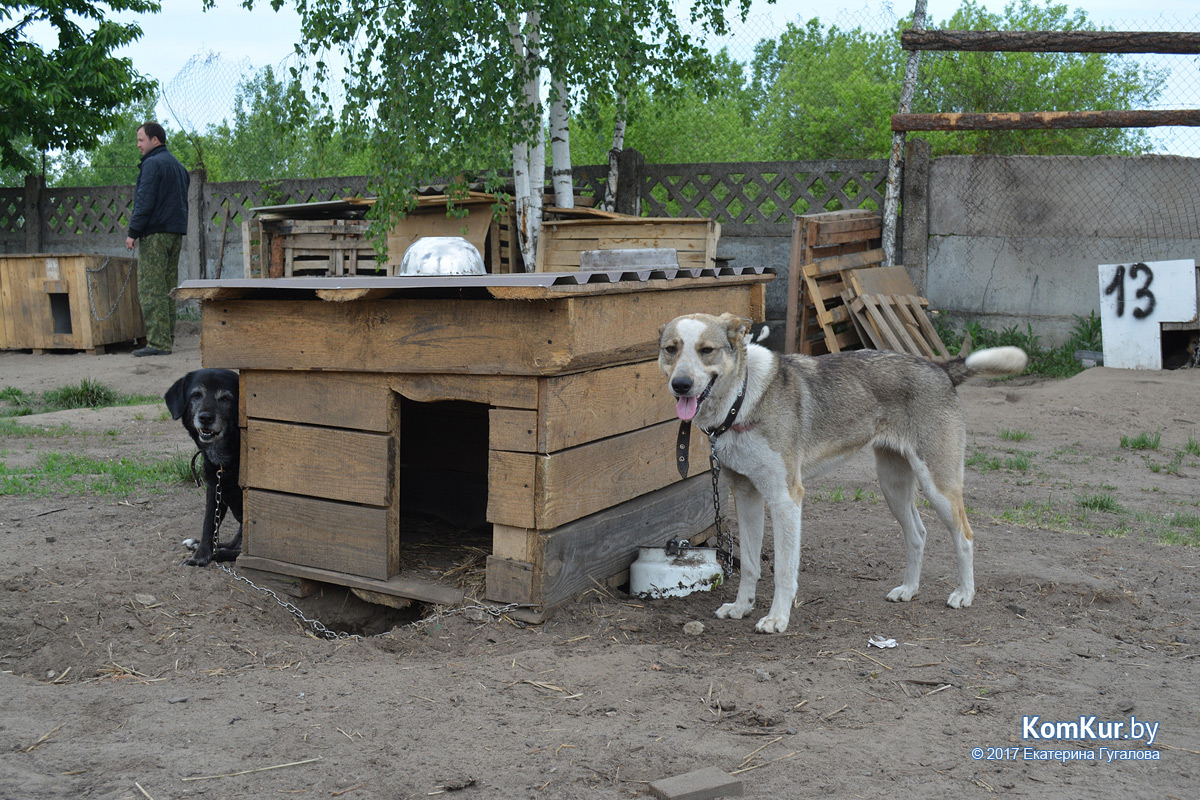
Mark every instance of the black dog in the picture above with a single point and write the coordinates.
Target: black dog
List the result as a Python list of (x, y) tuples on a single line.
[(207, 399)]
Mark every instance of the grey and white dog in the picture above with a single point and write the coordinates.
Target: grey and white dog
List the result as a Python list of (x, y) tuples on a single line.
[(800, 414)]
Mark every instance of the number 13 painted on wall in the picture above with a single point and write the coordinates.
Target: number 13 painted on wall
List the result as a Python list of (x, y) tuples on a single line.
[(1117, 286)]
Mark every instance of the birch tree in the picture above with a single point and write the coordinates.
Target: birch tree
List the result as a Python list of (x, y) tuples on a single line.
[(465, 89)]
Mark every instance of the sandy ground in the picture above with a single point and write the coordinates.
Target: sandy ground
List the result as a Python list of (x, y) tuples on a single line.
[(126, 675)]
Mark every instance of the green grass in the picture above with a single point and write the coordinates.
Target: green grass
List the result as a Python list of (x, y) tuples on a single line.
[(1143, 441), (1019, 462), (88, 393), (1193, 446), (1015, 436), (1099, 502), (72, 473), (1047, 362)]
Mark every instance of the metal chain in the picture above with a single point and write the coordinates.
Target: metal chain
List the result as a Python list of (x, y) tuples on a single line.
[(331, 635), (724, 538), (218, 512), (91, 293)]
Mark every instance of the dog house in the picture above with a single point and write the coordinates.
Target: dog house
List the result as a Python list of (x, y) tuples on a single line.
[(72, 301), (402, 432)]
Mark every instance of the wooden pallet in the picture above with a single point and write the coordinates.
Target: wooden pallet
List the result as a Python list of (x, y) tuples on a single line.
[(824, 247), (896, 322)]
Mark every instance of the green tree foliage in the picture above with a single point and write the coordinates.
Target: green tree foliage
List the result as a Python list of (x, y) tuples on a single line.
[(277, 133), (443, 88), (704, 116), (819, 92), (115, 159), (827, 93), (979, 82), (67, 97)]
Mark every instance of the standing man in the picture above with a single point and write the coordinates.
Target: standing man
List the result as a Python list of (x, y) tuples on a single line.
[(159, 223)]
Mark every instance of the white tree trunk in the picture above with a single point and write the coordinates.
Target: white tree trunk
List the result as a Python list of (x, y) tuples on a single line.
[(560, 146), (529, 157), (614, 155)]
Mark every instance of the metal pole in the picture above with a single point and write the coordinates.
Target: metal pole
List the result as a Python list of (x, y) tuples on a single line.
[(891, 199)]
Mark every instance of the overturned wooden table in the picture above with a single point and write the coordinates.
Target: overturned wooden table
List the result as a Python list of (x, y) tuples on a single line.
[(397, 430)]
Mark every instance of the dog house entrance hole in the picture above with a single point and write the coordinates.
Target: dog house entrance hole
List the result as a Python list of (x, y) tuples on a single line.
[(60, 311), (444, 532)]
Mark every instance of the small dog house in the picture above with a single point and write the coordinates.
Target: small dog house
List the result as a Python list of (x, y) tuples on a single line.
[(71, 301), (524, 414)]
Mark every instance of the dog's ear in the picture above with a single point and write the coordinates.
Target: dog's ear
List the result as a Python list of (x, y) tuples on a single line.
[(176, 396), (735, 327)]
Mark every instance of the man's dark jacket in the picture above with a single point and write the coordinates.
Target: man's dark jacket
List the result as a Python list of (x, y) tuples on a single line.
[(160, 198)]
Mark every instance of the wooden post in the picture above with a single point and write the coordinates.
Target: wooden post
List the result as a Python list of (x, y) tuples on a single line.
[(1052, 41), (193, 259), (35, 187), (915, 192), (629, 182), (891, 199), (1043, 120)]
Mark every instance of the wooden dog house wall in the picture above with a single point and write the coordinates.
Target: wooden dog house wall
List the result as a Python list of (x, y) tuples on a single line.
[(539, 409), (74, 301)]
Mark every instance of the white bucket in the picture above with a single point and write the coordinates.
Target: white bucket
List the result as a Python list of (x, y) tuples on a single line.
[(655, 574)]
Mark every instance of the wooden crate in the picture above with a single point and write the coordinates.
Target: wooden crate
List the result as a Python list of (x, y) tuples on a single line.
[(824, 246), (68, 302), (562, 241), (545, 406)]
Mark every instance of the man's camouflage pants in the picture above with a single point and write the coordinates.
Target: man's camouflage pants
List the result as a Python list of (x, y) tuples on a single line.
[(158, 270)]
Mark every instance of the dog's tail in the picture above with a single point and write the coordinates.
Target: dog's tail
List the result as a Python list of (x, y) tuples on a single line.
[(994, 362)]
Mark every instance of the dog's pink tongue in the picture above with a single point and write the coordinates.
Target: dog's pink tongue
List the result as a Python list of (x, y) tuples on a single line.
[(686, 407)]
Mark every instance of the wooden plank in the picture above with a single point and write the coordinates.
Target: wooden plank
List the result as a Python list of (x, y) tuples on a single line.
[(828, 266), (319, 398), (341, 465), (561, 242), (930, 332), (887, 308), (586, 406), (341, 537), (512, 478), (492, 390), (893, 280), (604, 544), (394, 336), (880, 322), (515, 543), (511, 581), (513, 429), (583, 480), (424, 591)]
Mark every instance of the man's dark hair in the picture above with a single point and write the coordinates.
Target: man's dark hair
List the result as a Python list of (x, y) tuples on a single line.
[(155, 131)]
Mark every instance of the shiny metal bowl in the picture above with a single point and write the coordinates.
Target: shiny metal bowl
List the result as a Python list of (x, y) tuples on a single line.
[(442, 255)]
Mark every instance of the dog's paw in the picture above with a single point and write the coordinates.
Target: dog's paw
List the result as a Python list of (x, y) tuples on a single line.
[(199, 560), (902, 594), (772, 623), (191, 544), (226, 554), (960, 598), (734, 610)]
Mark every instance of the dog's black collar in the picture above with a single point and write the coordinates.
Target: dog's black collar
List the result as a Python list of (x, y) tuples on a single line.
[(733, 410), (684, 438)]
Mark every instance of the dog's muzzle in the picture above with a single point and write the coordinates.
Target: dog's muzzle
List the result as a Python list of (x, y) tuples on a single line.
[(686, 407)]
